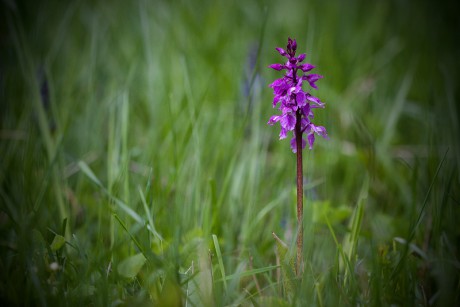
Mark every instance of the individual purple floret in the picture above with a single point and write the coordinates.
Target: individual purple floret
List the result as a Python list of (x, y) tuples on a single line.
[(293, 102)]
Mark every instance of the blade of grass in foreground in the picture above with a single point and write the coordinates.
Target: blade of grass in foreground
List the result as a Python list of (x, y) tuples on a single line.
[(89, 173), (402, 260), (249, 273), (351, 239), (130, 235), (219, 259), (149, 216)]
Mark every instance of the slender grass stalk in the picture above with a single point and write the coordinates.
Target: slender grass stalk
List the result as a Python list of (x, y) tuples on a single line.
[(112, 170), (221, 262)]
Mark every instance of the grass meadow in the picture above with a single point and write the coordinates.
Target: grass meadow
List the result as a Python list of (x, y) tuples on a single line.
[(137, 167)]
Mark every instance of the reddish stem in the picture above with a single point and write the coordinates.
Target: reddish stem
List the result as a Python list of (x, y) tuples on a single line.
[(298, 136)]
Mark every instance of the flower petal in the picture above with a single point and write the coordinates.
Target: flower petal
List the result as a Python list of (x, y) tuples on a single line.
[(273, 120), (311, 140), (315, 100), (276, 83), (277, 66), (301, 98), (304, 122), (291, 46), (276, 99), (281, 51), (320, 130), (294, 144), (301, 57), (287, 121), (306, 67), (282, 133), (312, 79)]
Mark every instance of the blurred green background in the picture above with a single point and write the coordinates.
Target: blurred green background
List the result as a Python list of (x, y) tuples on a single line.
[(133, 131)]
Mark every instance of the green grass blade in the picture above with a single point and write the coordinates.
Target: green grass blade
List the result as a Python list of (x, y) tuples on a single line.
[(249, 273), (123, 225), (220, 261), (351, 243), (89, 173), (403, 257), (149, 215), (397, 109)]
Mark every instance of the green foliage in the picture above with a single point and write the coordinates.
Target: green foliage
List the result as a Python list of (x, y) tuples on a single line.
[(137, 167), (130, 266), (287, 266), (57, 243)]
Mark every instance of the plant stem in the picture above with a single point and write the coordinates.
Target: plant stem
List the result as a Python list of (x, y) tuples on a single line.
[(298, 134)]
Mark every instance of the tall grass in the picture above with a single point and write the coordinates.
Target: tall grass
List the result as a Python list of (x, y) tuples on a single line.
[(137, 167)]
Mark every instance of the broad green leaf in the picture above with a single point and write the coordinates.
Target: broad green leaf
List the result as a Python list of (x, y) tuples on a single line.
[(131, 266), (57, 243), (335, 215)]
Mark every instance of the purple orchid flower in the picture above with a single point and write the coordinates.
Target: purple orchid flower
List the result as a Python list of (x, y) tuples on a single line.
[(293, 102)]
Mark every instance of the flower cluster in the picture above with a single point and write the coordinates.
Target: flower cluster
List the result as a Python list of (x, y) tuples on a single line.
[(295, 104)]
